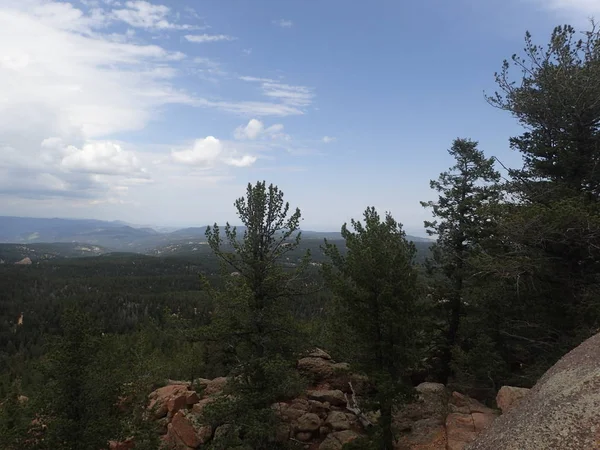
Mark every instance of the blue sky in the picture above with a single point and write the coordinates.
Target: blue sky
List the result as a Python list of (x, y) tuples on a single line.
[(161, 112)]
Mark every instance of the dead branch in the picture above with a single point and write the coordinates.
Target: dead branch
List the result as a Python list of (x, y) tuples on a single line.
[(355, 409)]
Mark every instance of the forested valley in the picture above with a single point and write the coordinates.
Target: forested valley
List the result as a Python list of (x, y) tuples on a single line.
[(509, 285)]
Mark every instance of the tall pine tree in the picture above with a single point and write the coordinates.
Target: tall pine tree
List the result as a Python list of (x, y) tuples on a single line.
[(259, 336), (462, 212), (377, 307)]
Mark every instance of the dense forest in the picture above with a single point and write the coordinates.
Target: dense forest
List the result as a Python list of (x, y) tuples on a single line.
[(509, 286)]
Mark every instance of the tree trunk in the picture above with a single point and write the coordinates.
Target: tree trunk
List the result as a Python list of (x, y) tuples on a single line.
[(455, 312), (386, 425)]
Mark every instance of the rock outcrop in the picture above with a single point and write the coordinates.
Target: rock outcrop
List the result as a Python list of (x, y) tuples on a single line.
[(324, 417), (441, 421), (509, 396), (561, 412)]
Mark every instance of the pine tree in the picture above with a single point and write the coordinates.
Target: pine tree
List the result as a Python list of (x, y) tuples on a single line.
[(79, 401), (556, 101), (258, 334), (546, 279), (376, 295), (466, 193)]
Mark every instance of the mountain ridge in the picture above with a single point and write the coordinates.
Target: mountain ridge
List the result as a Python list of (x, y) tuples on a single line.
[(115, 235)]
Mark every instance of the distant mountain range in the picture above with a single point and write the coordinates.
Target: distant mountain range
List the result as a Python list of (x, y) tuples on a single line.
[(113, 235)]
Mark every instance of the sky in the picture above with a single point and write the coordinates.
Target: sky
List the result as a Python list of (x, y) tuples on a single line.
[(161, 112)]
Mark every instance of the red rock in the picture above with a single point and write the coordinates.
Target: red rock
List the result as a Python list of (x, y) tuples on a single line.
[(127, 444), (171, 398), (186, 432), (481, 421), (198, 408)]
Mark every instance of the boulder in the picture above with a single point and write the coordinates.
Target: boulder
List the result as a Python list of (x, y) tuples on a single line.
[(431, 403), (319, 353), (460, 403), (198, 408), (309, 422), (320, 408), (335, 441), (304, 436), (467, 419), (25, 261), (289, 412), (215, 386), (183, 428), (127, 444), (338, 421), (440, 421), (460, 430), (170, 399), (333, 397), (562, 411), (316, 368), (422, 422), (510, 396)]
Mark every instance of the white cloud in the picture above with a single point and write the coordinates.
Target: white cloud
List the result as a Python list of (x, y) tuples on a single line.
[(202, 38), (257, 79), (328, 139), (255, 129), (71, 84), (244, 161), (142, 14), (294, 96), (282, 23), (107, 158), (204, 152), (579, 10), (63, 78), (251, 131), (209, 152), (67, 82), (251, 108)]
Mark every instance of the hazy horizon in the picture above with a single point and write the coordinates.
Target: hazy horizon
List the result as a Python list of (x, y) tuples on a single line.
[(140, 110)]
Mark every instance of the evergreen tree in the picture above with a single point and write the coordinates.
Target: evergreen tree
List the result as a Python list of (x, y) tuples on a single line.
[(377, 305), (80, 398), (15, 420), (547, 277), (258, 334), (556, 101), (466, 194)]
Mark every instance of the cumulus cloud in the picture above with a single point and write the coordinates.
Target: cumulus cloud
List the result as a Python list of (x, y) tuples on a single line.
[(251, 131), (204, 152), (106, 158), (255, 129), (244, 161), (71, 84), (283, 23), (202, 38), (210, 152)]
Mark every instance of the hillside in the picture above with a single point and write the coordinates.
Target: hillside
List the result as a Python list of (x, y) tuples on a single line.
[(118, 236)]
